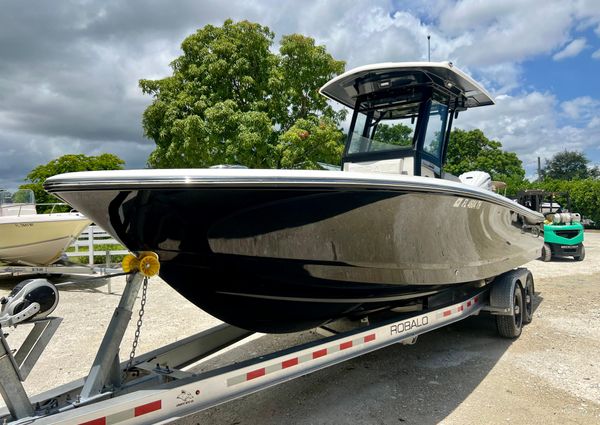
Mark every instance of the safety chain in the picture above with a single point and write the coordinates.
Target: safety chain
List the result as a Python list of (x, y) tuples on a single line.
[(139, 324)]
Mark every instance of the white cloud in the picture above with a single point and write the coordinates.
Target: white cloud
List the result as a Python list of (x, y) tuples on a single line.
[(530, 125), (580, 108), (594, 123), (506, 31), (501, 78), (68, 77), (366, 32), (587, 10), (470, 15), (572, 49)]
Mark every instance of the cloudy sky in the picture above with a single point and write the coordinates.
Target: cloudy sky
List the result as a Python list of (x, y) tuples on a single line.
[(69, 69)]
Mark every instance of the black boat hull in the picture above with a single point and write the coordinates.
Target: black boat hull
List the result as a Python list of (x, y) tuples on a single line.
[(281, 258)]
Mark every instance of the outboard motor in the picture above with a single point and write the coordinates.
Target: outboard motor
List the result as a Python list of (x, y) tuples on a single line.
[(30, 299), (477, 178)]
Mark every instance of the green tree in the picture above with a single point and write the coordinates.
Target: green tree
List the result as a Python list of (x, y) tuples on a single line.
[(230, 99), (396, 134), (471, 150), (302, 69), (568, 165), (67, 164), (584, 195), (308, 141)]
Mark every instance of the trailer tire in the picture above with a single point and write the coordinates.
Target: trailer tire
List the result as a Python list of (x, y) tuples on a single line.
[(508, 293), (528, 292), (546, 253), (581, 255)]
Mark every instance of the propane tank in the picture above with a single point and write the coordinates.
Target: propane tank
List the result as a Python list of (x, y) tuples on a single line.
[(566, 218)]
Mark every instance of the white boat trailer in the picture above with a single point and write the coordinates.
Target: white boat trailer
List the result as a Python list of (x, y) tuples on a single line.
[(67, 273), (154, 387), (56, 269)]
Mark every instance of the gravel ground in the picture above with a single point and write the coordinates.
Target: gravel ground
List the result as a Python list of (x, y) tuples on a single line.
[(462, 374)]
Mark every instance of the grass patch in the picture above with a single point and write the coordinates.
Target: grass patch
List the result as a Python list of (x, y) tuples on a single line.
[(99, 254)]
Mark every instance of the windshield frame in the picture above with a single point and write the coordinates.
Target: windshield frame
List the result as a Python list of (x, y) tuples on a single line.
[(418, 103)]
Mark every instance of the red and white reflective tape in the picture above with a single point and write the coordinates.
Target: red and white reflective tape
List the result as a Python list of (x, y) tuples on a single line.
[(458, 309), (294, 361), (125, 415)]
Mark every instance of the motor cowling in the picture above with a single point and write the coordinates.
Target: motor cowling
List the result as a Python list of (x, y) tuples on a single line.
[(479, 179), (30, 299)]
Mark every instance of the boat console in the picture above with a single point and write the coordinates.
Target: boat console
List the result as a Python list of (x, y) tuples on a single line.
[(403, 115)]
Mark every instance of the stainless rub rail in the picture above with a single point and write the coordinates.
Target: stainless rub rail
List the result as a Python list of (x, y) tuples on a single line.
[(331, 181)]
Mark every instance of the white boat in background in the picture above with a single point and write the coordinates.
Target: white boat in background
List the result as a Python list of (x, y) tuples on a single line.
[(28, 238)]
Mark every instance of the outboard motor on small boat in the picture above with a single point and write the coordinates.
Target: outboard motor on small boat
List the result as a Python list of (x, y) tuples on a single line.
[(477, 178), (30, 299)]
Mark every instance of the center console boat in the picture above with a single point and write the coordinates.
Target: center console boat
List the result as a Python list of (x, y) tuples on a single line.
[(286, 250)]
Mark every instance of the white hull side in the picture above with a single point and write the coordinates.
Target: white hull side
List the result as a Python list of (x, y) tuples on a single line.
[(38, 239)]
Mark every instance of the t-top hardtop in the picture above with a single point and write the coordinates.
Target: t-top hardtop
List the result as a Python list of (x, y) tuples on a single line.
[(403, 111)]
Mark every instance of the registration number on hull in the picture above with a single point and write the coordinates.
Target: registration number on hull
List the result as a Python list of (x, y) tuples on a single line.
[(472, 204)]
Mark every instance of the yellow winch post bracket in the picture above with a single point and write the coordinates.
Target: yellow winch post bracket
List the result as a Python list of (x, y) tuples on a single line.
[(145, 262)]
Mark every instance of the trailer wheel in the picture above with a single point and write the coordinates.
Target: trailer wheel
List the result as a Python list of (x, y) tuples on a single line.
[(546, 253), (528, 291), (581, 255), (508, 293)]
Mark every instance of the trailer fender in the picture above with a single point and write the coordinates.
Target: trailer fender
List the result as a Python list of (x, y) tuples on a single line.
[(507, 301)]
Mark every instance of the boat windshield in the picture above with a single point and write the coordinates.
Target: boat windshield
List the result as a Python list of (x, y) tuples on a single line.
[(16, 203), (436, 128), (393, 129), (373, 135), (21, 196)]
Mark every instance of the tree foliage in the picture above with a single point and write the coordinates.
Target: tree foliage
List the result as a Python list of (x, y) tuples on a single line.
[(231, 100), (569, 165), (584, 195), (396, 134), (471, 150), (68, 164), (308, 141)]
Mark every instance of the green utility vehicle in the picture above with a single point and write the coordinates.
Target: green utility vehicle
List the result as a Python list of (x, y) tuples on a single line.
[(563, 231)]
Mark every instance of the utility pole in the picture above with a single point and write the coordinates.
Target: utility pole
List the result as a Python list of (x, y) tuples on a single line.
[(429, 47), (539, 169)]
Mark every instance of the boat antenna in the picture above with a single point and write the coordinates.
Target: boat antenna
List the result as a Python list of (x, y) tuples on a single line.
[(429, 47)]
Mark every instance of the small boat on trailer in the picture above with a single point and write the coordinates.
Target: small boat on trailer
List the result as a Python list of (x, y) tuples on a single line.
[(286, 250), (31, 239)]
